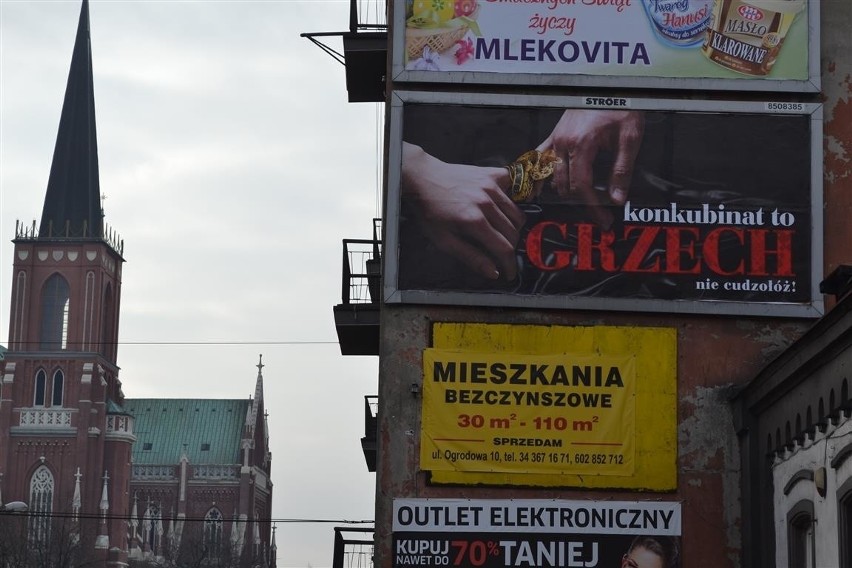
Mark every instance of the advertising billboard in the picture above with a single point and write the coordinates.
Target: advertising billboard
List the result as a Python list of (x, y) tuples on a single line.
[(765, 45), (605, 203), (540, 533), (550, 406)]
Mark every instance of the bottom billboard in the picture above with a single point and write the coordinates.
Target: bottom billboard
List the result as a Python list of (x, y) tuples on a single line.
[(540, 533)]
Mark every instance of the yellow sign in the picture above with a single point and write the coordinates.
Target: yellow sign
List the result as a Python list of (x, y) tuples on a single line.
[(522, 413), (557, 406)]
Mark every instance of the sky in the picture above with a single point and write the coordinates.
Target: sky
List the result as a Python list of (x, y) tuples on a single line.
[(232, 166)]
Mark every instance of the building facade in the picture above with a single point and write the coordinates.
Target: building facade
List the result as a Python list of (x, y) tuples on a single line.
[(794, 425), (108, 479), (738, 424)]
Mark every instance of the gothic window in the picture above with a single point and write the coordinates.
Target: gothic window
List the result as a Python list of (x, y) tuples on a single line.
[(257, 541), (213, 532), (55, 303), (58, 388), (40, 386), (152, 527), (41, 506), (107, 335), (800, 536)]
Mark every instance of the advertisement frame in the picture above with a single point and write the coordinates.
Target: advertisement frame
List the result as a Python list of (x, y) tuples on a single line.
[(812, 308), (653, 447), (810, 85), (498, 533)]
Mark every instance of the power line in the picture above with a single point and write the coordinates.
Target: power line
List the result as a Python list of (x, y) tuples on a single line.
[(200, 343), (227, 343), (172, 517)]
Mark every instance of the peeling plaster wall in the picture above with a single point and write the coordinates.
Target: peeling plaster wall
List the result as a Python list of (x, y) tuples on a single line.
[(709, 460), (837, 129)]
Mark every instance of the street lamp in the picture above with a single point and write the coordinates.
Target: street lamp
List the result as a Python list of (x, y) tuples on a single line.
[(14, 507)]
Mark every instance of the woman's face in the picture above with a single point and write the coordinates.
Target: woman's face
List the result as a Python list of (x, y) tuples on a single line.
[(641, 557)]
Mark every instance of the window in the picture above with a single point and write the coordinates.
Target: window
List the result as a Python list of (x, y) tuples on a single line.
[(40, 385), (152, 527), (58, 384), (146, 446), (213, 532), (55, 305), (107, 334), (844, 518), (205, 447), (41, 505), (800, 535), (258, 545)]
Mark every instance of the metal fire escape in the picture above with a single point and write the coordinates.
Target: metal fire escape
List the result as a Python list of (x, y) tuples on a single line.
[(365, 50), (357, 316)]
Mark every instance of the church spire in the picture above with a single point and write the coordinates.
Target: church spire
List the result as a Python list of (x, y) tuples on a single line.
[(72, 205), (251, 414)]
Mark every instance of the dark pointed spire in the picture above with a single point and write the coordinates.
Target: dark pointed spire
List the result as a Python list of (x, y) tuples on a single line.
[(72, 205)]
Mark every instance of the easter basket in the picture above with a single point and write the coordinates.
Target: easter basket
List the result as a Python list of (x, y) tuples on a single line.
[(439, 38)]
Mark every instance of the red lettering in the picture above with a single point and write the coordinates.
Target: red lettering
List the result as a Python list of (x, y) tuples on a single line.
[(676, 249), (586, 248), (783, 252), (639, 252), (726, 251), (561, 258), (711, 251)]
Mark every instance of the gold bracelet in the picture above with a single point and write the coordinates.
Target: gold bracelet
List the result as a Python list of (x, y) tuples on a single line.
[(531, 167)]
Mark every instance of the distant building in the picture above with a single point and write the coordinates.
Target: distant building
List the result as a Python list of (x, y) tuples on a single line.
[(111, 480)]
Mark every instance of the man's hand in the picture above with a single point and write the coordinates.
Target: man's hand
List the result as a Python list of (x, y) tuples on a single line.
[(578, 138), (464, 211)]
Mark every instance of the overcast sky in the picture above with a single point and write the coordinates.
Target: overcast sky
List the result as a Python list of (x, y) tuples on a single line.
[(232, 167)]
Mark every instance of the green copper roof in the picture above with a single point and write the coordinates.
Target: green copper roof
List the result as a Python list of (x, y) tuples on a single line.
[(208, 430)]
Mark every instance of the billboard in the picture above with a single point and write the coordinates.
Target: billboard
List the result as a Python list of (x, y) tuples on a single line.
[(551, 406), (540, 533), (605, 203), (765, 45)]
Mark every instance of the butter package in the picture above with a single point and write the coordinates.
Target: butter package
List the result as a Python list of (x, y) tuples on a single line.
[(747, 35)]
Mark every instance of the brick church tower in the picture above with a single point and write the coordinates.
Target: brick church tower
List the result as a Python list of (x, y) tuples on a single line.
[(65, 442), (110, 481)]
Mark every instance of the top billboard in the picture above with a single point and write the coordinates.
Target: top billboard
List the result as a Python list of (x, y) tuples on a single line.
[(751, 45)]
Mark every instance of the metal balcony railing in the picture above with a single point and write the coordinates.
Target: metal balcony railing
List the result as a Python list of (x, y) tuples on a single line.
[(356, 318), (24, 232), (371, 416), (371, 431), (350, 552), (368, 15), (362, 261)]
